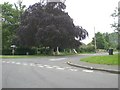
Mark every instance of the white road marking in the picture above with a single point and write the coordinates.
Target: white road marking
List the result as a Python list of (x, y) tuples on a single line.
[(56, 66), (40, 66), (25, 64), (31, 64), (3, 61), (7, 62), (18, 63), (13, 62), (87, 70), (73, 69), (49, 67), (57, 59), (60, 68), (46, 65), (68, 67)]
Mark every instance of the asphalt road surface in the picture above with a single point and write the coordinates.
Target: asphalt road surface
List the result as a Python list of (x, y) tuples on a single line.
[(53, 72)]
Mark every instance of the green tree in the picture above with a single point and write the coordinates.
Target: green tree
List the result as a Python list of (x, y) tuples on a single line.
[(100, 41), (116, 23), (116, 17), (113, 40), (10, 24), (20, 8), (50, 26), (107, 40)]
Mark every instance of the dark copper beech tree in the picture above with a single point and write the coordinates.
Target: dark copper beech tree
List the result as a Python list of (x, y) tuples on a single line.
[(48, 25)]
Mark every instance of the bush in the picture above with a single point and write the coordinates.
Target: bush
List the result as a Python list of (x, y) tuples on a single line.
[(86, 48), (44, 51), (6, 51), (24, 51)]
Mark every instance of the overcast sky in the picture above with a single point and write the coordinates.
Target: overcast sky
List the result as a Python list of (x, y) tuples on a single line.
[(87, 13)]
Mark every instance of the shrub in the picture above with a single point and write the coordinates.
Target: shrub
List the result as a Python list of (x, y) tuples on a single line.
[(86, 48), (24, 51), (6, 51)]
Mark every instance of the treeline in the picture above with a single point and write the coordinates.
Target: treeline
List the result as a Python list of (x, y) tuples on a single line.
[(105, 41), (42, 28), (45, 28)]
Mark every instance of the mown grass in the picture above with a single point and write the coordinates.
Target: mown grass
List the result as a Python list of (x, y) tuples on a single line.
[(33, 56), (17, 56), (108, 59)]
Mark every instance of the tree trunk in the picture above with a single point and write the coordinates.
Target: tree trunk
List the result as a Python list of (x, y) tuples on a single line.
[(57, 51), (52, 51), (70, 51)]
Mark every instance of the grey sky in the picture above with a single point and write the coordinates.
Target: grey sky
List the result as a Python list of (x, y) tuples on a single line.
[(87, 13)]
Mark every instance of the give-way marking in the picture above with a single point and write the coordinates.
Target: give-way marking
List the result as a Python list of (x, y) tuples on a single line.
[(88, 71), (57, 59), (47, 66)]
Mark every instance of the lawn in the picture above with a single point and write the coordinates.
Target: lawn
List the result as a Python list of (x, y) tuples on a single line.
[(17, 56), (33, 56), (108, 59)]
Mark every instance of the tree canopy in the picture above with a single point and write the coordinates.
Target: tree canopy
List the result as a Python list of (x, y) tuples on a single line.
[(49, 25), (106, 40), (116, 16), (10, 23)]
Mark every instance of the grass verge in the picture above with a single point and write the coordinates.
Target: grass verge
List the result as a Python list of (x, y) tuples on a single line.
[(33, 56), (17, 56), (108, 59)]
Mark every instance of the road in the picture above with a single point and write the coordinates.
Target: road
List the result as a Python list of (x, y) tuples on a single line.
[(53, 72)]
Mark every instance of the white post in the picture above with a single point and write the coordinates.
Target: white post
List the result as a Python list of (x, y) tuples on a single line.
[(75, 51), (57, 50)]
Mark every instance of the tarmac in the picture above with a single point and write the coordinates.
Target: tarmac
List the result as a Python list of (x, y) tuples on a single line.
[(100, 67)]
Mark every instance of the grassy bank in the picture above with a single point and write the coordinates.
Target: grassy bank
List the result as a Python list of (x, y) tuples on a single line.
[(33, 56), (17, 56), (108, 59)]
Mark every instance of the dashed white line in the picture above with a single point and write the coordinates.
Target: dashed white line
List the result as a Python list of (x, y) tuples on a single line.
[(13, 62), (18, 63), (73, 69), (46, 65), (57, 59), (49, 67), (25, 64), (40, 66), (7, 62), (56, 66), (87, 70), (60, 68), (68, 67), (3, 61), (31, 64)]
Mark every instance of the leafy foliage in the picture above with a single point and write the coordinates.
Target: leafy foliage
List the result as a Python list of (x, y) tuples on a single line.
[(100, 40), (50, 26), (86, 48), (116, 16), (10, 23), (106, 40), (113, 40)]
